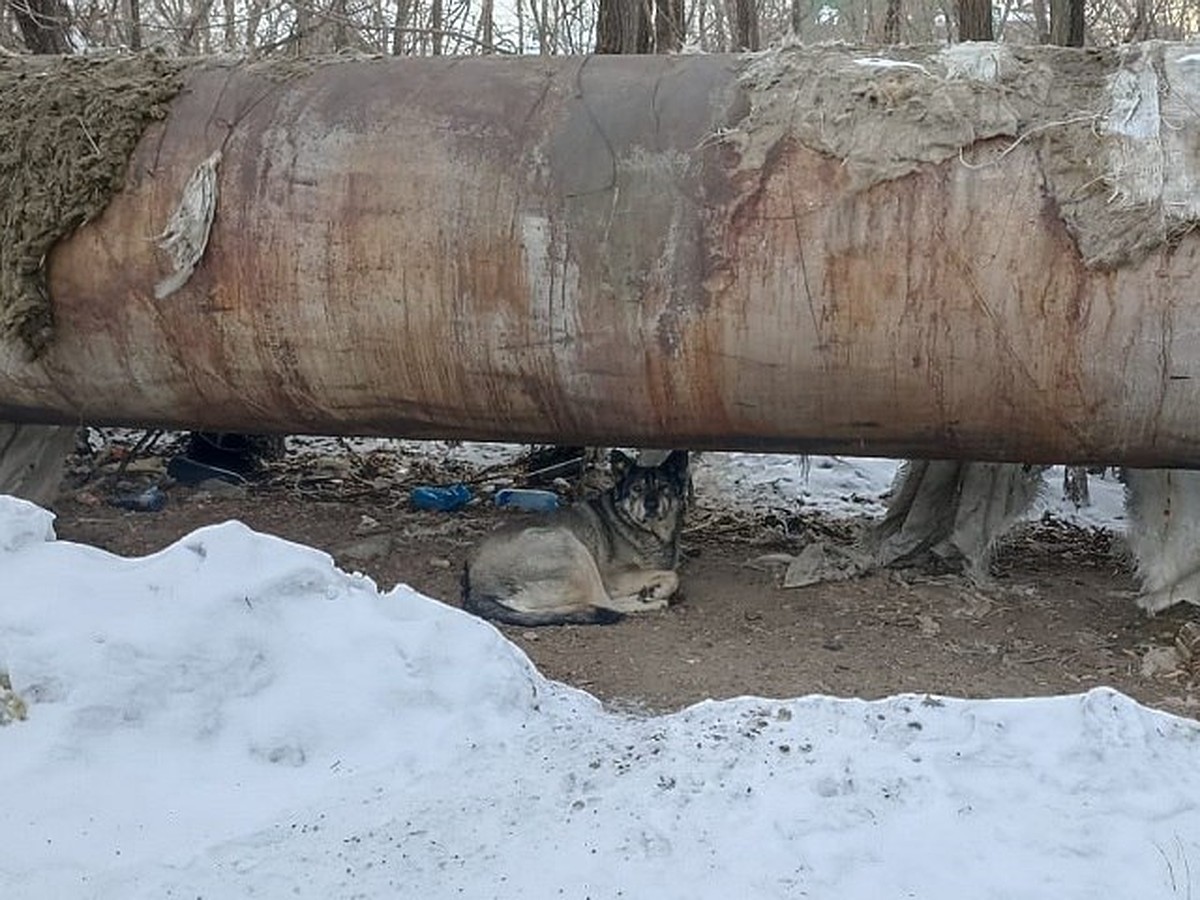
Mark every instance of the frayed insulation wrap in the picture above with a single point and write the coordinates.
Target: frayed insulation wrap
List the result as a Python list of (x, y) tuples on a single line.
[(186, 235), (1116, 129), (68, 126)]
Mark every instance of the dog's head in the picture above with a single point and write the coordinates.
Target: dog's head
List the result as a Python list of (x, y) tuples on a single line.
[(653, 497)]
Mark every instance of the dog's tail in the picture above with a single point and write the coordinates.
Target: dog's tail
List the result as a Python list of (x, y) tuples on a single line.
[(491, 608)]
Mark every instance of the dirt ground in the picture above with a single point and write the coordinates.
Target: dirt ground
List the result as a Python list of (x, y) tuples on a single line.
[(1058, 616)]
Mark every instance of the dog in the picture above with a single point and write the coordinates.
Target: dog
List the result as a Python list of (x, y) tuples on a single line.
[(593, 563)]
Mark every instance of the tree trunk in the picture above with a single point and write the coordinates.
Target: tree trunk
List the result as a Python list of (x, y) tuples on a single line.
[(195, 23), (561, 250), (1066, 23), (975, 20), (135, 25), (1075, 486), (891, 22), (1041, 21), (1141, 28), (435, 25), (45, 25), (745, 35), (341, 30), (541, 23), (400, 29), (668, 26), (622, 26), (487, 26), (230, 15), (254, 15)]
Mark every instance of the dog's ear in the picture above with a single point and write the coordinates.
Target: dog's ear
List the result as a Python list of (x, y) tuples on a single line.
[(620, 465), (676, 466)]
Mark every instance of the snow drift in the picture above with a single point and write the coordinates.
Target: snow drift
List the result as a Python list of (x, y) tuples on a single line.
[(233, 716)]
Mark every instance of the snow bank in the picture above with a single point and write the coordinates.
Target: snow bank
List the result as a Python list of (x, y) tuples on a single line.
[(22, 523), (194, 693), (233, 716)]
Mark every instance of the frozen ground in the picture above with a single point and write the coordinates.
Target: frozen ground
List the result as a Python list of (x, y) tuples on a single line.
[(233, 716)]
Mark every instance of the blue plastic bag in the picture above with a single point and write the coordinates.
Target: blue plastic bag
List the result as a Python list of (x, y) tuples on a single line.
[(446, 498)]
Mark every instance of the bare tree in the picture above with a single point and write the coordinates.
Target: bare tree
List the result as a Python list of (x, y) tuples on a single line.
[(400, 30), (1041, 21), (194, 24), (1066, 23), (542, 26), (623, 26), (1140, 28), (745, 32), (975, 20), (229, 41), (135, 25), (271, 27), (487, 25), (435, 26), (45, 25), (891, 22), (668, 26), (340, 20)]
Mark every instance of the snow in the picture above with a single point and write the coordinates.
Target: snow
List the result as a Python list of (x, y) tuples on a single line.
[(1106, 510), (880, 62), (752, 482), (233, 716), (847, 485)]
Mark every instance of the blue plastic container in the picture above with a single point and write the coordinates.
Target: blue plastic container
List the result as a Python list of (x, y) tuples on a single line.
[(527, 499)]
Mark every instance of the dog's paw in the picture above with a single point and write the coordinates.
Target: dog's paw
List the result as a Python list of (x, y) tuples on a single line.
[(647, 603), (658, 589)]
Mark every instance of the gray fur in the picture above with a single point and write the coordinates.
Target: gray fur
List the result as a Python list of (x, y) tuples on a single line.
[(592, 563)]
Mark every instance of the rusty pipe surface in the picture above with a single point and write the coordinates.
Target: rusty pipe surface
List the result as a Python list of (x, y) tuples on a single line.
[(610, 250)]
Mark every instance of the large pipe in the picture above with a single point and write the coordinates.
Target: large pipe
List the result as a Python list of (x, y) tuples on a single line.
[(803, 250)]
